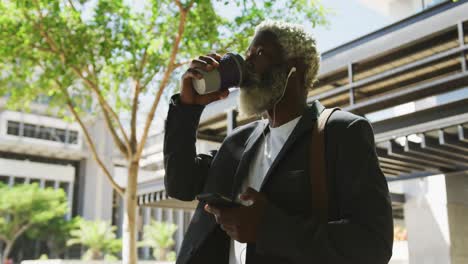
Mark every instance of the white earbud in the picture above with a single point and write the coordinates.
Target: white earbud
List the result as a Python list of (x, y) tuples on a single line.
[(293, 69)]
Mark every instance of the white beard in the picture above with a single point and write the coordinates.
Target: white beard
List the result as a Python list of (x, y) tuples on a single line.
[(261, 95)]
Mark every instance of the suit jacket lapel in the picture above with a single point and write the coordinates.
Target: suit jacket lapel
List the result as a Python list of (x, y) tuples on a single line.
[(305, 124), (242, 168)]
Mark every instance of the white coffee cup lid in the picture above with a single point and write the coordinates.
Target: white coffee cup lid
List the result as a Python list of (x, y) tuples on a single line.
[(209, 83), (199, 86)]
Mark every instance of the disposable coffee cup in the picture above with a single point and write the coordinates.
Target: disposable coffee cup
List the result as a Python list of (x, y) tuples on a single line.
[(228, 74)]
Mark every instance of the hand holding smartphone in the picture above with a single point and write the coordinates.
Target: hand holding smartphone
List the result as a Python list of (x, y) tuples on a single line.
[(217, 200)]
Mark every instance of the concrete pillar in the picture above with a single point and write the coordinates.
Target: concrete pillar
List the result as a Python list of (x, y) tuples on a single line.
[(426, 220), (97, 203), (11, 181), (70, 200), (457, 205), (170, 215), (180, 229), (159, 214), (436, 213), (146, 221)]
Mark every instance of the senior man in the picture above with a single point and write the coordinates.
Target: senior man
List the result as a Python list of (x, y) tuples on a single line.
[(267, 162)]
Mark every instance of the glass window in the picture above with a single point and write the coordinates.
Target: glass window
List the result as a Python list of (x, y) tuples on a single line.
[(44, 133), (49, 184), (13, 128), (37, 181), (60, 135), (19, 180), (4, 179), (72, 137), (64, 186), (29, 130)]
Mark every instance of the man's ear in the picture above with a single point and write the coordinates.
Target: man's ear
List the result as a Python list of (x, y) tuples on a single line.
[(300, 66), (298, 63)]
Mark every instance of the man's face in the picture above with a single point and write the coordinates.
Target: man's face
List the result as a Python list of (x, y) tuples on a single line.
[(266, 74)]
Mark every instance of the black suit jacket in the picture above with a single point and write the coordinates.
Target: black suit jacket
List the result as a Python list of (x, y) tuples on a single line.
[(360, 228)]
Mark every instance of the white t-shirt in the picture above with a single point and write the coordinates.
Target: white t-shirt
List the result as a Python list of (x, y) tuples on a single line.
[(264, 157)]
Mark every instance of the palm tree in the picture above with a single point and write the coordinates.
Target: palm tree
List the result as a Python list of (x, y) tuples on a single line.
[(98, 237), (159, 236)]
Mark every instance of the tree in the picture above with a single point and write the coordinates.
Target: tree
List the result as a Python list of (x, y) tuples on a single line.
[(55, 233), (106, 56), (159, 236), (98, 237), (25, 206)]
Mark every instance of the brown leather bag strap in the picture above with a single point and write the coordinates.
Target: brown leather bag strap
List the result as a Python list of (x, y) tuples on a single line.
[(317, 169)]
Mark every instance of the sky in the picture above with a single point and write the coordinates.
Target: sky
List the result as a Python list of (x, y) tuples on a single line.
[(350, 19)]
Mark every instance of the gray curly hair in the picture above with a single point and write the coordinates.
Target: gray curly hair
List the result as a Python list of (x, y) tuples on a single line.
[(297, 43)]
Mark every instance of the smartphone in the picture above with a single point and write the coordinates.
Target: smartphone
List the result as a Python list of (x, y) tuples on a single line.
[(218, 200)]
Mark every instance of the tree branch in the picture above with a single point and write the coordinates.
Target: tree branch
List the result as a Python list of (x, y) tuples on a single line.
[(181, 6), (90, 142), (114, 135), (133, 121), (165, 79), (190, 5), (20, 232), (136, 95), (72, 5), (106, 109)]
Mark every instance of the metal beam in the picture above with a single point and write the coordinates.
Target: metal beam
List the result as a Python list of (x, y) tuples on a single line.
[(404, 24), (461, 41), (420, 121), (422, 90), (405, 165), (398, 198), (424, 174), (411, 176), (400, 169), (431, 143), (452, 141), (462, 133), (416, 149), (394, 149), (384, 155), (390, 172), (389, 73), (350, 81), (418, 127)]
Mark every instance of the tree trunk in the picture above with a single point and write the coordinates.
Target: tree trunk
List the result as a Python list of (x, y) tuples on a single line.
[(6, 251), (129, 249), (162, 254)]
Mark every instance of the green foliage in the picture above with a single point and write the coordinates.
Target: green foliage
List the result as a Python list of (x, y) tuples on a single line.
[(46, 46), (55, 233), (98, 237), (159, 236), (27, 206)]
